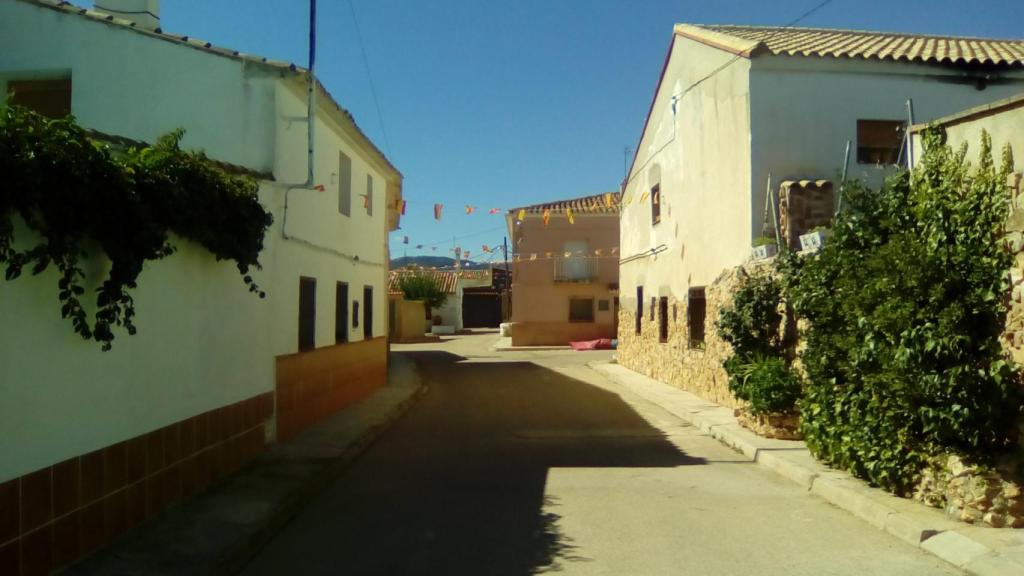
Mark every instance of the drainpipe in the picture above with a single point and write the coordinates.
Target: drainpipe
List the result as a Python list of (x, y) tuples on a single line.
[(310, 118)]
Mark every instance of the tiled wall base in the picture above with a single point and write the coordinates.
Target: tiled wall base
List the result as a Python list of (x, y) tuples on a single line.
[(313, 385), (52, 517)]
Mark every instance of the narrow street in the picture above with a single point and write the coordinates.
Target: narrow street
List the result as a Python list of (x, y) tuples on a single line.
[(524, 463)]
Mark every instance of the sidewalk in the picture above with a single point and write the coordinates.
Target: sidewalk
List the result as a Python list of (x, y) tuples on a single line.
[(977, 550), (504, 344), (220, 530)]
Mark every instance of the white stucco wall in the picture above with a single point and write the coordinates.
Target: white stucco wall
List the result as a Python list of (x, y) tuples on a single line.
[(204, 341), (700, 145), (323, 243), (155, 86), (803, 110)]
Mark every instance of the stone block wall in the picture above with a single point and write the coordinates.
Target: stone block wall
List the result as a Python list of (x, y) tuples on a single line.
[(695, 369), (804, 205), (1013, 336)]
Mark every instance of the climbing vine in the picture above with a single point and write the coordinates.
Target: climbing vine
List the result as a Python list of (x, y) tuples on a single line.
[(81, 197)]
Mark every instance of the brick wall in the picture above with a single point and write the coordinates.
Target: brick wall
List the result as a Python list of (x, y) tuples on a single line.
[(56, 515)]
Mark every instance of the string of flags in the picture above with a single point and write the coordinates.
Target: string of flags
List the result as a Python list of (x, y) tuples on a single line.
[(578, 254)]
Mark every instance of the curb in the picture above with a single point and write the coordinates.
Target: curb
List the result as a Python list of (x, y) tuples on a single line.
[(978, 551), (238, 557)]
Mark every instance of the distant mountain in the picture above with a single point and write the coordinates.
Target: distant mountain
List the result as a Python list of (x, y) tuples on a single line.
[(436, 262)]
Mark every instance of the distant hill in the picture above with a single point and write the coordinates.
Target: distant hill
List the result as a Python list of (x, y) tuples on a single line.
[(436, 262)]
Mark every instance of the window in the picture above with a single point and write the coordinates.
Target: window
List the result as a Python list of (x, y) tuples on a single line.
[(696, 311), (656, 204), (663, 319), (51, 98), (581, 309), (879, 141), (344, 184), (369, 195), (341, 313), (602, 306), (355, 313), (367, 312), (307, 314), (639, 308)]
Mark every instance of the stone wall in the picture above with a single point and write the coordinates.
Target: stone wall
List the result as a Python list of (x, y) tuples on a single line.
[(695, 369), (1013, 336), (804, 205)]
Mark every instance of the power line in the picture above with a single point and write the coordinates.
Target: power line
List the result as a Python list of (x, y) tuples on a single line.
[(369, 76), (679, 95)]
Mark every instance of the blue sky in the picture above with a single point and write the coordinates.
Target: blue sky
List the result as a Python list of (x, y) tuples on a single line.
[(504, 103)]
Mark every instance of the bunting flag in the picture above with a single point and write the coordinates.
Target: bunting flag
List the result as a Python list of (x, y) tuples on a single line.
[(437, 211), (470, 209), (486, 249), (405, 239), (627, 198), (466, 255), (567, 254), (568, 214), (598, 252), (404, 204), (609, 200), (419, 246), (548, 254), (615, 250), (434, 248), (644, 195), (546, 216), (522, 215), (494, 210), (533, 257), (319, 188), (366, 200)]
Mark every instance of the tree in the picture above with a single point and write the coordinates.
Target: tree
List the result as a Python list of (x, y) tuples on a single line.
[(423, 286)]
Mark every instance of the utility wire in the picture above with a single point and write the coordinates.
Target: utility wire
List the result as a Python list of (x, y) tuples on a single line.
[(679, 95), (369, 76)]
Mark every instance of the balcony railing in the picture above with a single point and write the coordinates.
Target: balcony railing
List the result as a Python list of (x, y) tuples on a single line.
[(575, 269)]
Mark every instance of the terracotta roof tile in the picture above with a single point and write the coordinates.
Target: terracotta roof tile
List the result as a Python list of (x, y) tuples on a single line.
[(594, 204), (820, 42), (449, 279)]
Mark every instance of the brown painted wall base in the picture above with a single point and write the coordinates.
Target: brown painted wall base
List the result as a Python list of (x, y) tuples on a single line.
[(313, 385), (54, 516), (558, 333)]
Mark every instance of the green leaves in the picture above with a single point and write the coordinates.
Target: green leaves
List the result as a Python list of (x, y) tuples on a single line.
[(75, 191), (905, 308)]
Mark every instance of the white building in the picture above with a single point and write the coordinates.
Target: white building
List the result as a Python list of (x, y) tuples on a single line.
[(208, 356), (735, 104)]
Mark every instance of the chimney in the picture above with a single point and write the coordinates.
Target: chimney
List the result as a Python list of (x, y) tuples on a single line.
[(145, 13)]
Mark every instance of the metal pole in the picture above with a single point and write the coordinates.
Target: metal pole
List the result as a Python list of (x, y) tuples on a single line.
[(312, 91), (505, 284), (910, 141), (846, 166), (775, 215)]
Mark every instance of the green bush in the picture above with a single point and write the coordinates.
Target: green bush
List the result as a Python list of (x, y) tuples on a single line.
[(759, 370), (766, 383), (423, 286), (906, 304)]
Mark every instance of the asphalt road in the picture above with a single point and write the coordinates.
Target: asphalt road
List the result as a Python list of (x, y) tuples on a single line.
[(524, 463)]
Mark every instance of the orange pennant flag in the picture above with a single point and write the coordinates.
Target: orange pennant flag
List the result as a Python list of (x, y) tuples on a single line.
[(494, 210), (608, 199), (546, 216), (437, 211), (644, 195), (470, 209), (568, 214)]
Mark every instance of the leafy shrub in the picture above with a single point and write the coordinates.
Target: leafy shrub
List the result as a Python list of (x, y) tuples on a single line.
[(78, 195), (766, 383), (423, 286), (759, 370), (905, 305)]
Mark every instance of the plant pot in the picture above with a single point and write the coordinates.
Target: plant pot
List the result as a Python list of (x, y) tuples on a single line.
[(813, 241), (764, 251)]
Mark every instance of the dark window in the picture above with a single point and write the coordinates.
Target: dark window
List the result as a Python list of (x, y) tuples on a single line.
[(663, 319), (355, 313), (656, 204), (51, 98), (602, 306), (639, 308), (696, 311), (368, 312), (341, 313), (344, 184), (307, 314), (581, 309), (879, 141)]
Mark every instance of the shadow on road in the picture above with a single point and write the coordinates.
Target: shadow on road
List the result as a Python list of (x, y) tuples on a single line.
[(458, 485)]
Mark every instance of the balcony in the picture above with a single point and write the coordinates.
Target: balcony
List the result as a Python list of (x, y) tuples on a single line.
[(576, 270)]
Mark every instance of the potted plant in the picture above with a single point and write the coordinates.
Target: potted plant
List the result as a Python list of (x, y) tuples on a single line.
[(764, 247), (813, 240)]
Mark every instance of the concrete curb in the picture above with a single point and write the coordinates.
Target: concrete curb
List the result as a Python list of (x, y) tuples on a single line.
[(221, 530), (976, 550)]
